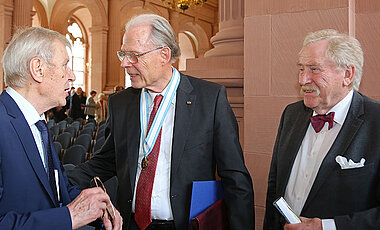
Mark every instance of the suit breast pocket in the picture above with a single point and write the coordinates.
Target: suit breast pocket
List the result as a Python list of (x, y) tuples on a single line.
[(367, 169)]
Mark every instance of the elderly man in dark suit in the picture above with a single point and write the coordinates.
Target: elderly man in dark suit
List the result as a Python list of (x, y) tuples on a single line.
[(34, 190), (165, 132), (327, 153)]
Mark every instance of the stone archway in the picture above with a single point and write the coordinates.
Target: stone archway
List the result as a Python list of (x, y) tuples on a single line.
[(203, 40), (41, 12), (62, 10)]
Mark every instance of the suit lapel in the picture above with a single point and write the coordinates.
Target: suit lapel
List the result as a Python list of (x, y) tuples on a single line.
[(185, 104), (133, 134), (350, 127), (27, 140), (293, 143)]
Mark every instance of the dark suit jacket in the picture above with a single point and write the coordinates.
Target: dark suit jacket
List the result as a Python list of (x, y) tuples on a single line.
[(351, 196), (205, 138), (26, 199), (75, 106)]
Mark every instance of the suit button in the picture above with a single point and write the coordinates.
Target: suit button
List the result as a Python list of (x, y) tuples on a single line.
[(129, 201), (173, 196)]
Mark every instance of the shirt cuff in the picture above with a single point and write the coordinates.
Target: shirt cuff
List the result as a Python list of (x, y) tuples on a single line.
[(328, 224)]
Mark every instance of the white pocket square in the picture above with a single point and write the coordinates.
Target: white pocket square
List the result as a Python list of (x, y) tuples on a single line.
[(350, 164)]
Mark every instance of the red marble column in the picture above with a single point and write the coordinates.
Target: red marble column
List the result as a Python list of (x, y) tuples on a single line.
[(229, 41)]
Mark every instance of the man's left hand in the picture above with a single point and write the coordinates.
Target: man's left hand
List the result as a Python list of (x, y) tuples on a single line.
[(306, 224)]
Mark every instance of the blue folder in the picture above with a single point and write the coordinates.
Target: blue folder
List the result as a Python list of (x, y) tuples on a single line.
[(204, 194)]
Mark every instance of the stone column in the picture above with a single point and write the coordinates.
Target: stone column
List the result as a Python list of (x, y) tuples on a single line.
[(98, 57), (113, 44), (224, 64), (6, 8), (174, 22), (22, 14), (229, 41)]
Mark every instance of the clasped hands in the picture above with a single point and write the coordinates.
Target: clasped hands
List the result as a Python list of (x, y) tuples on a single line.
[(92, 204), (306, 224)]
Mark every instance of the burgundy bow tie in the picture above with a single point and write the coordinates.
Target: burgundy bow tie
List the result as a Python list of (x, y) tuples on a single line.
[(318, 121)]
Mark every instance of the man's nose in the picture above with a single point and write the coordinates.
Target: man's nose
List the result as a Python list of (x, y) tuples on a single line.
[(125, 62), (304, 77), (71, 74)]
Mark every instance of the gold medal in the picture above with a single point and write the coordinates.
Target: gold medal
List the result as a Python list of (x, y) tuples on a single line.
[(144, 163)]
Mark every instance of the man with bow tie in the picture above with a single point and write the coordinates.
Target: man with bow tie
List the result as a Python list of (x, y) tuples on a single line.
[(332, 123)]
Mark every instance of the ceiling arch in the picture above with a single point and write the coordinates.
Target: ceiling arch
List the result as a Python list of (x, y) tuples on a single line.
[(63, 9)]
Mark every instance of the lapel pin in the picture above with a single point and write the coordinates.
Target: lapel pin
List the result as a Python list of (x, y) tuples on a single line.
[(188, 102)]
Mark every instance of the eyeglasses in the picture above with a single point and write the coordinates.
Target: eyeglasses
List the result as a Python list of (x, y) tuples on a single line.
[(98, 183), (132, 57)]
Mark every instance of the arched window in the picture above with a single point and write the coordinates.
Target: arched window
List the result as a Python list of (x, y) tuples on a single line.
[(189, 45), (77, 60)]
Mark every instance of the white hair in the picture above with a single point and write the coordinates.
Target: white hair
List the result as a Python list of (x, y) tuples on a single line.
[(27, 44), (343, 50), (162, 33)]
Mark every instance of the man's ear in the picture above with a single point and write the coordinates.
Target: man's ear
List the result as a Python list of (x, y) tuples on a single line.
[(36, 69), (349, 75), (166, 55)]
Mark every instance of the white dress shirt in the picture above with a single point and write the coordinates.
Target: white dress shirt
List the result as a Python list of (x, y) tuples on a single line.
[(313, 150), (160, 202)]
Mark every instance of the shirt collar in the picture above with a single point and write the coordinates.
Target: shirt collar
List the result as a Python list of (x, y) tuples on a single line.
[(341, 109), (152, 95), (30, 113)]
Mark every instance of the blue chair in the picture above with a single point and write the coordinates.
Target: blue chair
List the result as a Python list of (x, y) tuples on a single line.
[(55, 131), (72, 130), (85, 141), (65, 139), (58, 149), (76, 124), (103, 122), (87, 130), (50, 123), (62, 124), (75, 155)]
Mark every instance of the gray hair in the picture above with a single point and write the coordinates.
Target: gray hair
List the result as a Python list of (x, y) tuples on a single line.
[(343, 50), (27, 44), (162, 33)]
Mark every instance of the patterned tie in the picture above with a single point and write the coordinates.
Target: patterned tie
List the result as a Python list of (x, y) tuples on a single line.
[(145, 184), (42, 127), (318, 121)]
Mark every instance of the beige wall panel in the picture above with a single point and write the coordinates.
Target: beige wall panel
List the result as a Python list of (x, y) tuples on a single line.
[(259, 216), (288, 31), (263, 7), (257, 47), (258, 166), (367, 6), (368, 34), (261, 118)]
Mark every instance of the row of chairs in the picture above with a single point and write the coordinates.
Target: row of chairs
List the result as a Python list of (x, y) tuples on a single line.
[(77, 149)]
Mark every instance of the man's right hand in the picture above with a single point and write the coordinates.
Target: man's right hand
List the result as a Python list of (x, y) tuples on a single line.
[(88, 206)]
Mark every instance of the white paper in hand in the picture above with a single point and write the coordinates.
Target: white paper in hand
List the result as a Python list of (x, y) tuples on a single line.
[(286, 211)]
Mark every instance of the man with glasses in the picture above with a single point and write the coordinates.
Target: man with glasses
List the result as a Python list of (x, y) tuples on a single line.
[(34, 190), (167, 131)]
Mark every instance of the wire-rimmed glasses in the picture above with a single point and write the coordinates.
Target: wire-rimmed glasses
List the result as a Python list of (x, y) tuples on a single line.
[(110, 209), (132, 57)]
